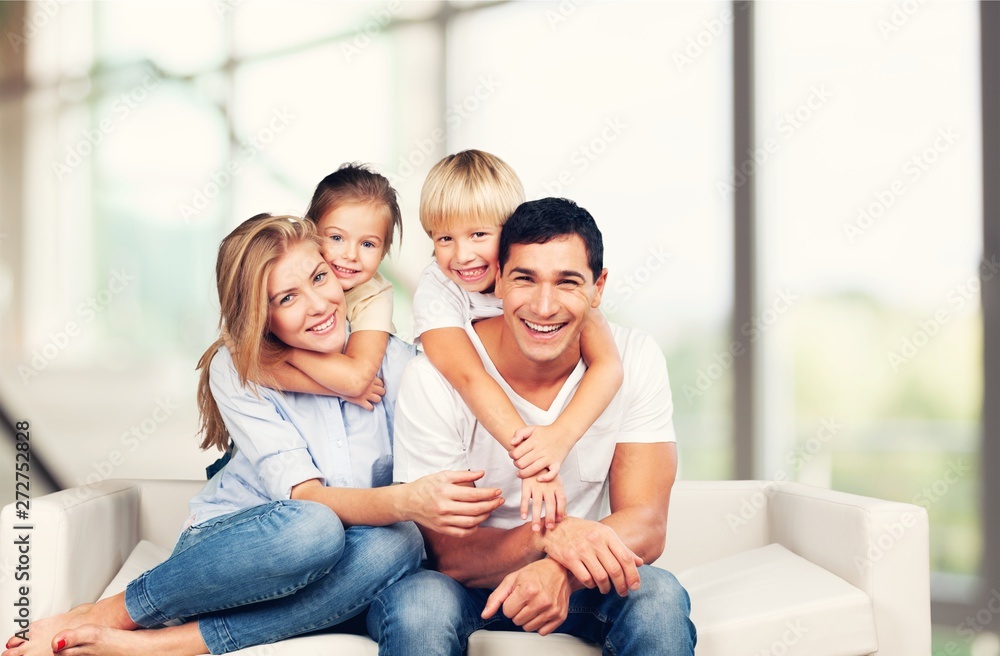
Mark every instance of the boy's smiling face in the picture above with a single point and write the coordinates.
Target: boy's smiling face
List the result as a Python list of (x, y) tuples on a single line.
[(468, 255)]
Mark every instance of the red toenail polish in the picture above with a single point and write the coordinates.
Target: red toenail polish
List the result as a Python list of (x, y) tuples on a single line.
[(60, 645)]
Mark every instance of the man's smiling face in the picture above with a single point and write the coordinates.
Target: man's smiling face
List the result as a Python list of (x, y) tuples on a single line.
[(547, 291)]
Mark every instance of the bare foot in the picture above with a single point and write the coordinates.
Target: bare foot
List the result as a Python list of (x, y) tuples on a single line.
[(92, 640), (108, 612), (40, 632)]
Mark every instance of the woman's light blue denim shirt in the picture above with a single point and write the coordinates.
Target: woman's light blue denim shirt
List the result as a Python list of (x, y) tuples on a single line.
[(283, 439)]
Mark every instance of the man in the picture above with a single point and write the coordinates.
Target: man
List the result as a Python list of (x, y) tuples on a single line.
[(585, 576)]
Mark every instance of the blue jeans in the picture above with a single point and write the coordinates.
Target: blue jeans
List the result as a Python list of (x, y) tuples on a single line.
[(271, 572), (433, 615)]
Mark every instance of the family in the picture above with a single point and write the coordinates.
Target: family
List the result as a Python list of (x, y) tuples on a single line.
[(514, 474)]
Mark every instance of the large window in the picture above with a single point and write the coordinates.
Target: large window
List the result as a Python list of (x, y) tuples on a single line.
[(142, 155), (870, 214)]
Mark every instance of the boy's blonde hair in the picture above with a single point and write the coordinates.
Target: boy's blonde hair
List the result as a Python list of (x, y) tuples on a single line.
[(470, 185)]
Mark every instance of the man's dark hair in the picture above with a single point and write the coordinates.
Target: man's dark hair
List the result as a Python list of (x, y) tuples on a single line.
[(541, 221)]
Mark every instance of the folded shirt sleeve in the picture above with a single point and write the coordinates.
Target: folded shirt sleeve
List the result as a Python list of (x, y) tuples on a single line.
[(369, 306), (438, 303)]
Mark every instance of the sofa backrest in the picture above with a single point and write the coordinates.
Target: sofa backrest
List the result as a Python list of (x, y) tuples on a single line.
[(709, 520)]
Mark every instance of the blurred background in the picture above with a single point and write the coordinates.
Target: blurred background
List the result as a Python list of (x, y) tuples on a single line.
[(791, 195)]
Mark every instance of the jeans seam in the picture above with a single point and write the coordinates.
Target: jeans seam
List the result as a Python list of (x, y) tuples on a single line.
[(220, 635), (383, 615), (151, 615), (192, 531)]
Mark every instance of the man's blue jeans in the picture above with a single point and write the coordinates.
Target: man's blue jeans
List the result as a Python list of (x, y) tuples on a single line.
[(271, 572), (433, 615)]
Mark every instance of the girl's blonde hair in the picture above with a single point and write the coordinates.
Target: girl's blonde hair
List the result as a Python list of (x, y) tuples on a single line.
[(246, 257), (472, 185), (357, 183)]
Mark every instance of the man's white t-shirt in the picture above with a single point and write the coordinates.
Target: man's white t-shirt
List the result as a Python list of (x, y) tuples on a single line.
[(439, 302), (436, 431)]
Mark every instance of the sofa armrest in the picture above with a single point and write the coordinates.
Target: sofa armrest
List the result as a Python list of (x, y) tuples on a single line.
[(77, 540), (880, 547)]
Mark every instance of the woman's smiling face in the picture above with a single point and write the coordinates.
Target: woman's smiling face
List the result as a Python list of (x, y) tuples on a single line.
[(306, 304)]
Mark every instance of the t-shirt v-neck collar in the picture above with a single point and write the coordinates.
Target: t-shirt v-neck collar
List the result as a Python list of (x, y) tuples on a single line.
[(558, 403)]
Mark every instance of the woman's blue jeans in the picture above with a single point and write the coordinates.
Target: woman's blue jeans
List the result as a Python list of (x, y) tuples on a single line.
[(271, 572), (431, 614)]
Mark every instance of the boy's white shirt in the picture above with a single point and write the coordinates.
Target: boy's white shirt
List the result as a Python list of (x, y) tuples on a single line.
[(440, 302), (435, 430)]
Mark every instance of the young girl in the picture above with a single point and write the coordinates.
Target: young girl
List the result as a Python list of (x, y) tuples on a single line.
[(299, 530), (356, 214)]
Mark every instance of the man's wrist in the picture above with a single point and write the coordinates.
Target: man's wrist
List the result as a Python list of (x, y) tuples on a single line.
[(538, 540), (547, 538), (563, 571)]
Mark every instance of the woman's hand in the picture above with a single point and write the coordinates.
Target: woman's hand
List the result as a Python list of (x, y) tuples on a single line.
[(448, 503)]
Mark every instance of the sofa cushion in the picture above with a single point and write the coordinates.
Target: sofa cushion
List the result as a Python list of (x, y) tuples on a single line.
[(505, 643), (762, 601), (770, 601), (144, 556)]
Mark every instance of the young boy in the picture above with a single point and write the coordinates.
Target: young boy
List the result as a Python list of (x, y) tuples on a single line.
[(464, 203)]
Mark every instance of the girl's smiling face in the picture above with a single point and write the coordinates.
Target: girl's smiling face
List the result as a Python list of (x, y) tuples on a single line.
[(305, 303), (354, 241)]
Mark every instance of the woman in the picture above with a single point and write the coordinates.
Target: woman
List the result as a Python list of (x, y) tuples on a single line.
[(299, 530)]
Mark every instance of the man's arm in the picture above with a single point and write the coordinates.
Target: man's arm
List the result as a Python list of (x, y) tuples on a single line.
[(597, 553), (484, 558), (642, 476)]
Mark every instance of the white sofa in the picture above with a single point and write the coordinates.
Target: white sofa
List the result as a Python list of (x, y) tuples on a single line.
[(772, 569)]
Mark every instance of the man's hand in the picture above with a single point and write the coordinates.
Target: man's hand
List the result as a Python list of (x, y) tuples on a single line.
[(594, 554), (535, 597), (535, 449), (447, 503), (371, 396), (537, 494)]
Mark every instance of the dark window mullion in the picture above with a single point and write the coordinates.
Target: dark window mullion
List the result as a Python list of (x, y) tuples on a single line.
[(745, 438)]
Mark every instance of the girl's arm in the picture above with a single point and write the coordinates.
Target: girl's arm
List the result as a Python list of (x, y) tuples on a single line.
[(345, 374), (317, 373), (598, 387), (290, 379)]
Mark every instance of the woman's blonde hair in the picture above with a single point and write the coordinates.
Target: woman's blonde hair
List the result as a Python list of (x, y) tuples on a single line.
[(246, 257), (469, 186)]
